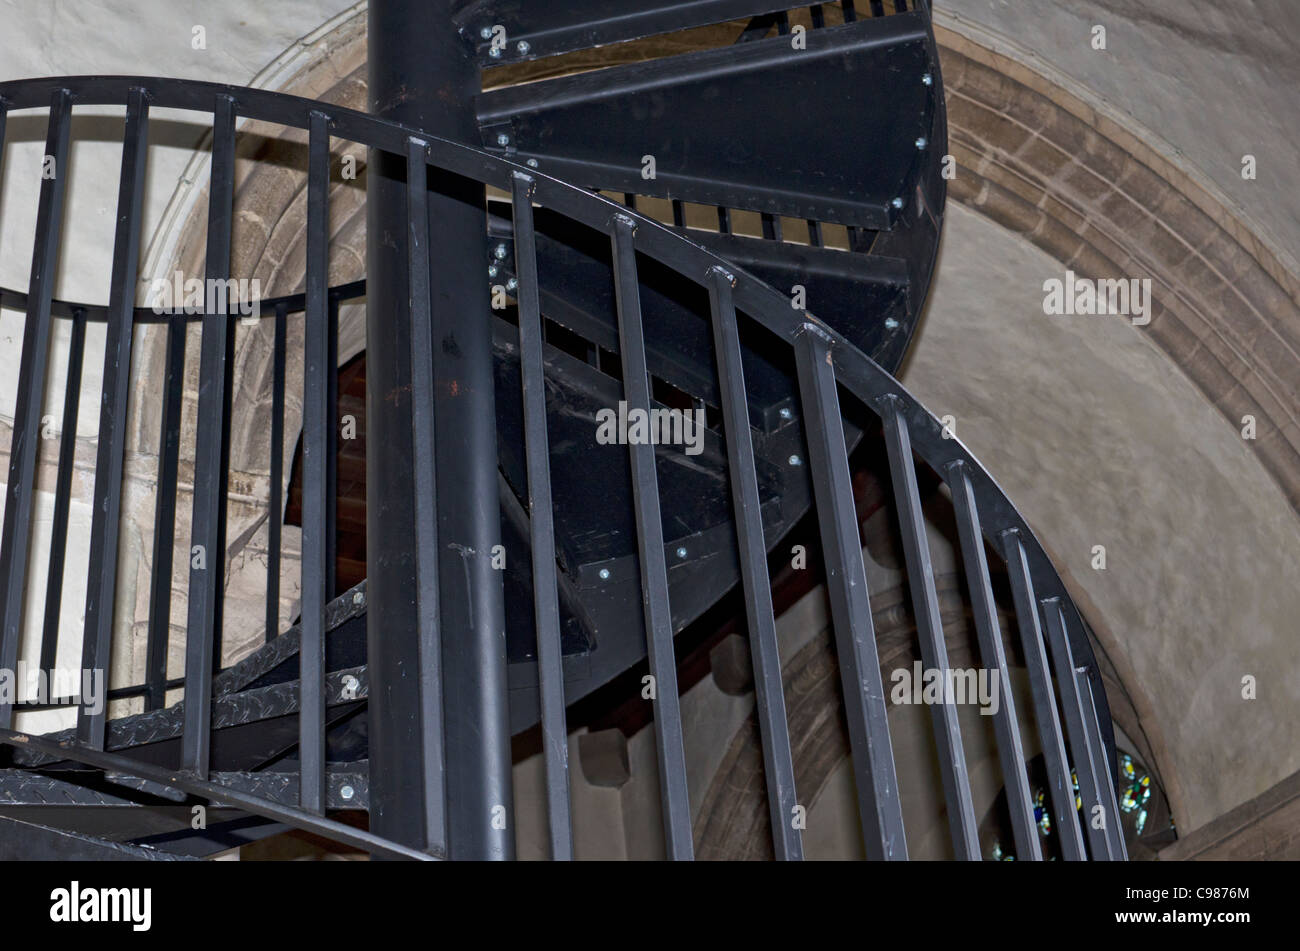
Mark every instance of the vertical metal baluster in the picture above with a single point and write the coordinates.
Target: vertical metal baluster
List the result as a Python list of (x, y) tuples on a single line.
[(315, 476), (818, 16), (113, 404), (550, 670), (877, 8), (164, 520), (850, 14), (679, 212), (650, 553), (929, 629), (1006, 723), (16, 533), (63, 495), (1114, 828), (724, 220), (769, 696), (771, 227), (332, 451), (275, 512), (207, 563), (1085, 767), (426, 500), (846, 581), (1040, 688), (814, 233)]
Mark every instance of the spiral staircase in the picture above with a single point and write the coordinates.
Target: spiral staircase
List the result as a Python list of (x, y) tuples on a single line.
[(746, 229)]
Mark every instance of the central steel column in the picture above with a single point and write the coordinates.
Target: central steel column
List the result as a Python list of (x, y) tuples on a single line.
[(422, 74)]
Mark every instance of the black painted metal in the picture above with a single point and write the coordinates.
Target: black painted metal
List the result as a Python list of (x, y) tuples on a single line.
[(421, 73), (407, 380), (650, 553), (541, 520), (63, 495), (1051, 738), (778, 761), (207, 553), (1087, 769), (1006, 723), (317, 420), (109, 461), (164, 531), (425, 502), (718, 149), (21, 486), (276, 506), (925, 608), (879, 806)]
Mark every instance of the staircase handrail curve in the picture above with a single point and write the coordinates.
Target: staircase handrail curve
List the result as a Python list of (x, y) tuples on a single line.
[(855, 372)]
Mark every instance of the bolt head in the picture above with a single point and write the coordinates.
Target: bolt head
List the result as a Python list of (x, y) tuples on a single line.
[(347, 792), (351, 683), (358, 597), (922, 142), (897, 203), (604, 574), (785, 413), (485, 33), (495, 52), (511, 284), (927, 80), (681, 552), (492, 270), (523, 47), (891, 323), (500, 252), (795, 461), (532, 163), (503, 139)]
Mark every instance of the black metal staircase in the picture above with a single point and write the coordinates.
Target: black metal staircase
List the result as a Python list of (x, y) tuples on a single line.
[(785, 341)]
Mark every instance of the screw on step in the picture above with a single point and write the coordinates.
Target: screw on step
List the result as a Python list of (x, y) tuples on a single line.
[(897, 203), (795, 461), (495, 52), (511, 284), (358, 598), (891, 323), (347, 792), (522, 47), (922, 142), (500, 251), (532, 163), (927, 79), (786, 413), (604, 574), (351, 685), (681, 552), (485, 33), (492, 270), (503, 139)]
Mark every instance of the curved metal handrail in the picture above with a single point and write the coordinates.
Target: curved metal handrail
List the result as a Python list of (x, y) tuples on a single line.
[(1002, 526)]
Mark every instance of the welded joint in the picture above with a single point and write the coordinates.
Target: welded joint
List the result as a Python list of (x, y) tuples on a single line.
[(626, 223), (529, 182), (718, 271), (808, 327)]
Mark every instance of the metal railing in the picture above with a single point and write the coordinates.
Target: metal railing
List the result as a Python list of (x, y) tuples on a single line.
[(833, 377)]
